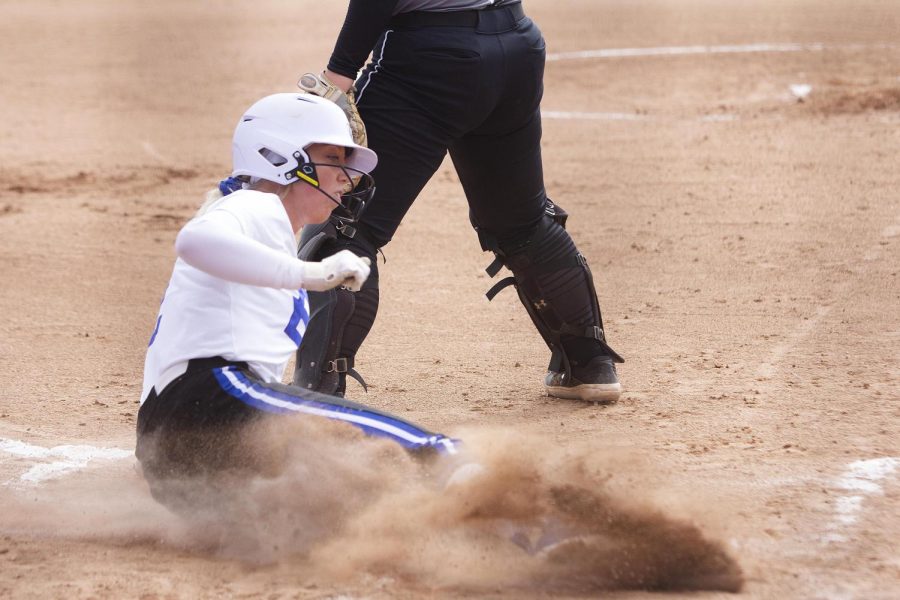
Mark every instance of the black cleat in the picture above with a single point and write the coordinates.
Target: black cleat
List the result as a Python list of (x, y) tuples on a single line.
[(596, 381)]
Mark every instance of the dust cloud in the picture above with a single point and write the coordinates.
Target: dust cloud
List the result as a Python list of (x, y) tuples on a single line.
[(335, 503)]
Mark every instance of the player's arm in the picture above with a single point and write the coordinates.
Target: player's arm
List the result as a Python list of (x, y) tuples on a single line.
[(216, 244), (365, 21)]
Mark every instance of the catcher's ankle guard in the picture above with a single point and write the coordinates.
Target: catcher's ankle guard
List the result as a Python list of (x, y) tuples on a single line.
[(562, 304)]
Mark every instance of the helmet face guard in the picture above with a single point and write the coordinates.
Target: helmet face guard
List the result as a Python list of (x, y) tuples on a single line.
[(354, 202), (351, 204)]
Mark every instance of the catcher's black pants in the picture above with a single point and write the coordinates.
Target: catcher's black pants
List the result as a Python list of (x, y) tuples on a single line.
[(472, 90), (431, 87)]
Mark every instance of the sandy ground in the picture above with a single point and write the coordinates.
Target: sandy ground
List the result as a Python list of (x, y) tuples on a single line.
[(745, 244)]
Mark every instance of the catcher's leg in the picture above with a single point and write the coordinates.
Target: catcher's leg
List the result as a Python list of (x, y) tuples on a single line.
[(501, 171), (555, 285), (339, 320), (410, 148)]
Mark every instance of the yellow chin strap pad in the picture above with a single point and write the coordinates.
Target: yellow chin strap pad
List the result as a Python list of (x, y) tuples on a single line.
[(306, 178)]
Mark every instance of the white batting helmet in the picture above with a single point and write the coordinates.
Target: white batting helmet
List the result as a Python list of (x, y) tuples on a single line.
[(272, 131)]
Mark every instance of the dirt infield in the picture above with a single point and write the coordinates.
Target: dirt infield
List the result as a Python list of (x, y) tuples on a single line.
[(743, 231)]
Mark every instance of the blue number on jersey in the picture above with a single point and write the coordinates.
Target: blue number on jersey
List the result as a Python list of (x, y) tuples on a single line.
[(300, 315), (155, 331), (158, 320)]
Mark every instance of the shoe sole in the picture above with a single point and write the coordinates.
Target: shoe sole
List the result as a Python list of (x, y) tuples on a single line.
[(589, 392)]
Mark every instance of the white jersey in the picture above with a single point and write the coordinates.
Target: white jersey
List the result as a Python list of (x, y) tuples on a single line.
[(202, 315)]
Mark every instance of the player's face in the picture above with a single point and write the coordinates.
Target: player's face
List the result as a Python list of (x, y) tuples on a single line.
[(332, 180)]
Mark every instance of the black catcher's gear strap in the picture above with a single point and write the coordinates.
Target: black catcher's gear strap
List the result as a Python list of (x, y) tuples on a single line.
[(557, 213)]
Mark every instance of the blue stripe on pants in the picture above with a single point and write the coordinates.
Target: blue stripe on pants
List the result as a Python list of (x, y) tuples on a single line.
[(268, 399)]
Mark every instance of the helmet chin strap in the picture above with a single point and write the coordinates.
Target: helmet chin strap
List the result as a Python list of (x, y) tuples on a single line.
[(315, 185)]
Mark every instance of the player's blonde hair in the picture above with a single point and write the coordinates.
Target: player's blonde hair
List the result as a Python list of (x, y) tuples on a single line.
[(215, 194)]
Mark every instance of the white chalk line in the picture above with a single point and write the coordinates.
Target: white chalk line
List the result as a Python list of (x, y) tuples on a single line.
[(683, 51), (152, 151), (56, 461), (768, 368), (860, 479), (723, 49), (875, 252), (596, 116), (620, 116)]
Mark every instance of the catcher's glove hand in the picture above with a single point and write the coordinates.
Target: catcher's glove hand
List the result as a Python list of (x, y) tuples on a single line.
[(322, 87)]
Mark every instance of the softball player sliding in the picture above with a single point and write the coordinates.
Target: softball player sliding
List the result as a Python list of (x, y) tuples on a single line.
[(464, 76), (236, 308)]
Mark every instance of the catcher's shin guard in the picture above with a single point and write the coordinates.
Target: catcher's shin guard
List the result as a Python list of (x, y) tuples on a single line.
[(555, 285), (339, 319)]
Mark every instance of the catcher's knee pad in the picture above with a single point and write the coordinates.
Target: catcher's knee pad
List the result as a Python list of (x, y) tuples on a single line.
[(555, 285), (339, 319)]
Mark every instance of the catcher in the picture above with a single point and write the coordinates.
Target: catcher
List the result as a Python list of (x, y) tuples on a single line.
[(464, 76)]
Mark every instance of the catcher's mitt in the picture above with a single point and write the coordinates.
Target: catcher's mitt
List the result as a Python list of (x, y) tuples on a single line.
[(322, 87)]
